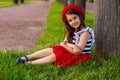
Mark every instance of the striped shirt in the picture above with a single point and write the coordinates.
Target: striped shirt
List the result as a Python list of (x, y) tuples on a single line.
[(89, 42)]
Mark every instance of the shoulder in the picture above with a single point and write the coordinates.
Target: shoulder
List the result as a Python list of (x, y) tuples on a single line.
[(85, 34), (89, 30), (86, 31)]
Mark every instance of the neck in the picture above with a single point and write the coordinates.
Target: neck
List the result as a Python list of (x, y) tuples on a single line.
[(76, 29), (81, 27)]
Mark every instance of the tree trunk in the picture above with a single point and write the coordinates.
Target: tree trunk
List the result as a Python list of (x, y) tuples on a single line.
[(81, 3), (22, 1), (107, 27), (71, 1), (15, 1), (65, 3)]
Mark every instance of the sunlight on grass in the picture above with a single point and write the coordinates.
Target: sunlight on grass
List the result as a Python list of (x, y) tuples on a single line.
[(5, 4), (89, 20)]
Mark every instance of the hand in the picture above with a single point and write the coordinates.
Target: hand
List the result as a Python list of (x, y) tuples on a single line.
[(77, 50), (63, 43)]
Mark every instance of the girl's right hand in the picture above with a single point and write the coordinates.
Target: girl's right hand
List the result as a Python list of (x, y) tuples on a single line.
[(63, 44), (77, 50)]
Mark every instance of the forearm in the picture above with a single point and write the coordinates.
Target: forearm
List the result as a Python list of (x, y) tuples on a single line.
[(69, 49), (70, 45), (72, 48), (76, 49)]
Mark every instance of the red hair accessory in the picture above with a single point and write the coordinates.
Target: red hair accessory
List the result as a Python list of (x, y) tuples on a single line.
[(72, 7)]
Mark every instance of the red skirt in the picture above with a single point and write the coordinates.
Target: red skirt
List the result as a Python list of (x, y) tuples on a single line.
[(65, 58)]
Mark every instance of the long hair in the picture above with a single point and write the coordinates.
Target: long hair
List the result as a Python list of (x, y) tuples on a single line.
[(69, 31)]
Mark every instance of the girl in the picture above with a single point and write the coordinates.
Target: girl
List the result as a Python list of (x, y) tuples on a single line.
[(74, 49)]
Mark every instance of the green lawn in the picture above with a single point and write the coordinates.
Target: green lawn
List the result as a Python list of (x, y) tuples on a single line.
[(93, 70), (7, 3)]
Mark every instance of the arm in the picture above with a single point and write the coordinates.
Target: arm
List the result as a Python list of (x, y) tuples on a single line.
[(83, 40), (67, 47), (72, 48), (77, 49)]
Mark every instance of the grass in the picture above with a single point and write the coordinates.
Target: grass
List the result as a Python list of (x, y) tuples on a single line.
[(7, 3), (93, 70)]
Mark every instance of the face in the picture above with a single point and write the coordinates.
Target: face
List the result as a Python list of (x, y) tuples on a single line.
[(73, 20)]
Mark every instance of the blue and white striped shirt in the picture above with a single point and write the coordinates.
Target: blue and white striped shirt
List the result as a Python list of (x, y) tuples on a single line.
[(89, 42)]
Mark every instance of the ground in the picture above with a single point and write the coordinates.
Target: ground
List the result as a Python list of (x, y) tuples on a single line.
[(21, 25)]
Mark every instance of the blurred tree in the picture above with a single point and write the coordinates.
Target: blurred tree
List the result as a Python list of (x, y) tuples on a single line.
[(71, 1), (107, 27), (65, 2), (81, 3), (16, 1), (90, 1), (22, 1)]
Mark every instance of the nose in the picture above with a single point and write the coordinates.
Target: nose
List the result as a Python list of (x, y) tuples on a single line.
[(73, 22)]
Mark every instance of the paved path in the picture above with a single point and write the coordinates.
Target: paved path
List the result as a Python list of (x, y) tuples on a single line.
[(20, 25)]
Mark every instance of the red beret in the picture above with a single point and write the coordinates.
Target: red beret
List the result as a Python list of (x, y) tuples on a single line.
[(72, 7)]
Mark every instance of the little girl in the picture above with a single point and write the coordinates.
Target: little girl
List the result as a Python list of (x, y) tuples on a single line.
[(75, 47)]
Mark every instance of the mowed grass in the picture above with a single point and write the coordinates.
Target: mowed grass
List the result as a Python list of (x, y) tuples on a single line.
[(7, 3), (96, 69)]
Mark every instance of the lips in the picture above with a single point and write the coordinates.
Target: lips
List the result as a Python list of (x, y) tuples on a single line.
[(75, 24)]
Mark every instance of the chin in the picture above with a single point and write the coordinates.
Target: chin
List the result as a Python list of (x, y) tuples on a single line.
[(76, 26)]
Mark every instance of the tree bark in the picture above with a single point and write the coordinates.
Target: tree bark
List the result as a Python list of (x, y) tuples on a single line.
[(81, 3), (65, 3), (107, 27), (22, 1), (71, 1), (15, 1)]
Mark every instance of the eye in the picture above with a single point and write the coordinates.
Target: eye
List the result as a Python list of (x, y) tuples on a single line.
[(69, 20), (74, 17)]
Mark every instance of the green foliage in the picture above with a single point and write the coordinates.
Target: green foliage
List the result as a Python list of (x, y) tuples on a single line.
[(53, 34), (90, 0)]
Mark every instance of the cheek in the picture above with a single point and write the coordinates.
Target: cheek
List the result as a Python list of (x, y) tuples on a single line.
[(70, 23), (78, 20)]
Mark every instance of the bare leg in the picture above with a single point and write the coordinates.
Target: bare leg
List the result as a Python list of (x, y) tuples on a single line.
[(46, 60), (39, 54)]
